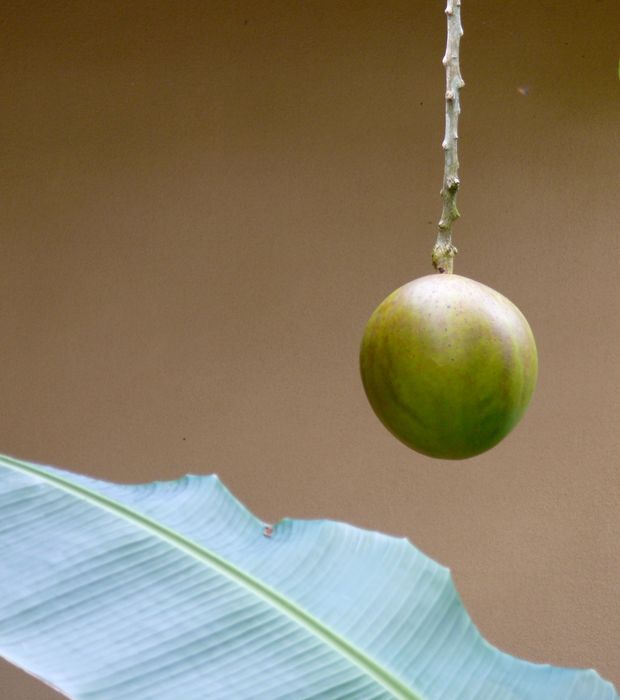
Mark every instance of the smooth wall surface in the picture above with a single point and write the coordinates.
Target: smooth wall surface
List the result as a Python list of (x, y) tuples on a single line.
[(204, 201)]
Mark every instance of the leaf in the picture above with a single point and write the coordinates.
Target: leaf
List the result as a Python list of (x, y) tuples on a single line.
[(173, 591)]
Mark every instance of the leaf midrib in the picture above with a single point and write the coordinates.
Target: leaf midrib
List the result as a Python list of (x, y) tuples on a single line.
[(389, 681)]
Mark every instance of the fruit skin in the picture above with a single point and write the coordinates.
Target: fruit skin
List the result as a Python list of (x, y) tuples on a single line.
[(449, 365)]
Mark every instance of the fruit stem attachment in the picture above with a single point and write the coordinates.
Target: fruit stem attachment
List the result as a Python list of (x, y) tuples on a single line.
[(444, 250)]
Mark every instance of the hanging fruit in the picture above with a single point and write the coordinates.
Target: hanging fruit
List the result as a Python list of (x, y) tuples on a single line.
[(448, 364)]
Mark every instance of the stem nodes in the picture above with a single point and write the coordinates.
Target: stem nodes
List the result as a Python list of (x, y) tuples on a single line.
[(444, 251)]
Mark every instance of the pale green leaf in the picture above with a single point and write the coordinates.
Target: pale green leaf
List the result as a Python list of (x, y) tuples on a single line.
[(173, 591)]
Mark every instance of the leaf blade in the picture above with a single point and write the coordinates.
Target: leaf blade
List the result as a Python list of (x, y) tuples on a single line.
[(415, 629)]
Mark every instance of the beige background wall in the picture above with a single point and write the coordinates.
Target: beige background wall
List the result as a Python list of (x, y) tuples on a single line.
[(203, 203)]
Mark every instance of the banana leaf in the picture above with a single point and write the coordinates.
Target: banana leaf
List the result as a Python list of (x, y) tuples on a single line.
[(175, 591)]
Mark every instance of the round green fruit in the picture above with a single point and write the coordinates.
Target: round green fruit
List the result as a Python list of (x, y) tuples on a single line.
[(449, 365)]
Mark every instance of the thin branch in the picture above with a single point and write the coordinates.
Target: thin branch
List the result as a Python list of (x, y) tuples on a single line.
[(444, 251)]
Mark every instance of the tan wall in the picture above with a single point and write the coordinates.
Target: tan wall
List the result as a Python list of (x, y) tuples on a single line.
[(204, 201)]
